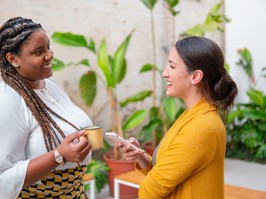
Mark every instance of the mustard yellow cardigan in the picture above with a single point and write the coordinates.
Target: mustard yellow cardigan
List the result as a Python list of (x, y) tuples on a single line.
[(190, 159)]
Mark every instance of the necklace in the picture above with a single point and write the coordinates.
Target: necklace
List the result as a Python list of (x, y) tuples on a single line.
[(45, 94)]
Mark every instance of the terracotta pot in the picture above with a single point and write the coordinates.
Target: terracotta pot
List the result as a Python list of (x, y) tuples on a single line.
[(118, 167), (149, 149)]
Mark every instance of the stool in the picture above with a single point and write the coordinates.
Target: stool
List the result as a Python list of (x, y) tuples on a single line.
[(88, 179), (132, 179)]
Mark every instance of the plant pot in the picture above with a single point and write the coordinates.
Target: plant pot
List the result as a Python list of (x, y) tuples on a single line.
[(148, 148), (118, 167)]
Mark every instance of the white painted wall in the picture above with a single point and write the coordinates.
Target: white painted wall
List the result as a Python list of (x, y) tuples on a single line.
[(247, 29)]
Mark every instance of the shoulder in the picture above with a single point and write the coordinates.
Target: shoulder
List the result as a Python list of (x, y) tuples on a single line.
[(8, 96), (14, 112)]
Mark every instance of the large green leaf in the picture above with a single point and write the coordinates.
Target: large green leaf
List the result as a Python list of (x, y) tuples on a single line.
[(69, 39), (136, 98), (146, 67), (121, 73), (103, 62), (257, 97), (87, 86), (234, 114), (170, 108), (256, 115), (58, 64), (134, 120), (119, 63)]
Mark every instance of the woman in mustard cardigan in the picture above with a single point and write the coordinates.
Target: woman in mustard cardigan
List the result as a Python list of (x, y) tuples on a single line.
[(189, 161)]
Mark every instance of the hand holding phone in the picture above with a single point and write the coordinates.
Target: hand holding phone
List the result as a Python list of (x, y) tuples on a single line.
[(116, 138)]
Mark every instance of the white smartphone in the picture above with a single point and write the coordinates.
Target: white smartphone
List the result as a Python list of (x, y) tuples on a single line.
[(116, 138)]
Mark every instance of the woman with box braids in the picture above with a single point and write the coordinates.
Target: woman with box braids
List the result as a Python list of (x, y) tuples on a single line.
[(37, 118)]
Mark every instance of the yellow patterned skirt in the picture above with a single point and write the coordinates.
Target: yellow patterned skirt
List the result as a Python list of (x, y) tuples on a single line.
[(60, 184)]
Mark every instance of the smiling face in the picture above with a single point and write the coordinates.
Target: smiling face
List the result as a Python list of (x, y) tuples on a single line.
[(177, 77), (34, 59)]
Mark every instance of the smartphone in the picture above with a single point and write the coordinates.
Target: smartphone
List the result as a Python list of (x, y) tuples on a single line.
[(116, 138)]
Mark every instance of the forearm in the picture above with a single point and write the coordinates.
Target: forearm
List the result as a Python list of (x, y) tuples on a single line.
[(39, 167), (143, 161)]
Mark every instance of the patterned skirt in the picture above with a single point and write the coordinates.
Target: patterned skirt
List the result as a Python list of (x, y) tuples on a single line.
[(60, 184)]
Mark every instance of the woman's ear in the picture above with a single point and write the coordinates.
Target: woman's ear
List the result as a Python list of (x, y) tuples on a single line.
[(197, 77), (12, 59)]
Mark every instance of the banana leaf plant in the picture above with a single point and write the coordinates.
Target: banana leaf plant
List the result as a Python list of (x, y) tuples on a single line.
[(113, 70)]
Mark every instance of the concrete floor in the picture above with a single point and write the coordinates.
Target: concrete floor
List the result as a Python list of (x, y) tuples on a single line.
[(237, 172)]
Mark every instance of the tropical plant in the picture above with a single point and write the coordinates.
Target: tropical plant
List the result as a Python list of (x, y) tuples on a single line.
[(214, 21), (98, 169), (113, 68), (246, 124)]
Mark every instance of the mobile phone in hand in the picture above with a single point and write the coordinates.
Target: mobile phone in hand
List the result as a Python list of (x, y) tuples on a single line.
[(116, 138)]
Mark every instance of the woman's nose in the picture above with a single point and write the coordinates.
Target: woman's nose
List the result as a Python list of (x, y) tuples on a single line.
[(165, 73), (49, 55)]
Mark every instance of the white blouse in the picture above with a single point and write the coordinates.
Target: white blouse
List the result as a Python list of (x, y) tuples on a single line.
[(21, 138)]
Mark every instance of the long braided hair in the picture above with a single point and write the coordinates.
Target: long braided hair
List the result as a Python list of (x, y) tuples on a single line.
[(13, 34)]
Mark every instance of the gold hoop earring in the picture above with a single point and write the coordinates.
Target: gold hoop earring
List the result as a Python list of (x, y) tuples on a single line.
[(15, 64)]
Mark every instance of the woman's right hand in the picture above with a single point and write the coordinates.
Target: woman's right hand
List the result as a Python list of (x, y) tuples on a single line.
[(73, 150), (129, 154)]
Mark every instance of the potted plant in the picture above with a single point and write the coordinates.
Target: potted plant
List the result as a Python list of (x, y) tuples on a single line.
[(246, 124)]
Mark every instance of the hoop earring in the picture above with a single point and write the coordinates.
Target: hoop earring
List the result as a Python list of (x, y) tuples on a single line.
[(15, 64)]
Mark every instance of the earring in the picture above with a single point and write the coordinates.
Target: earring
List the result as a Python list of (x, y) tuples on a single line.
[(15, 65), (192, 83)]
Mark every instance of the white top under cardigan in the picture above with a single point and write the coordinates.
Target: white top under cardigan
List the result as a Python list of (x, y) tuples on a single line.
[(21, 137)]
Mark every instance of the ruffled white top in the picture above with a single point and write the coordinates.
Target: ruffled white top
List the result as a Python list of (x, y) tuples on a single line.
[(21, 137)]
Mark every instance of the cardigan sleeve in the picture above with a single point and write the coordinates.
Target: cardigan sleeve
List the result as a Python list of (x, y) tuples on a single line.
[(190, 151)]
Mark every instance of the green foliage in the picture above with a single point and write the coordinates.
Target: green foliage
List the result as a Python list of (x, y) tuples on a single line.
[(74, 40), (99, 170), (113, 70), (87, 86), (134, 120), (58, 64), (214, 21), (246, 126), (246, 62), (137, 97), (149, 3), (246, 123), (171, 4)]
